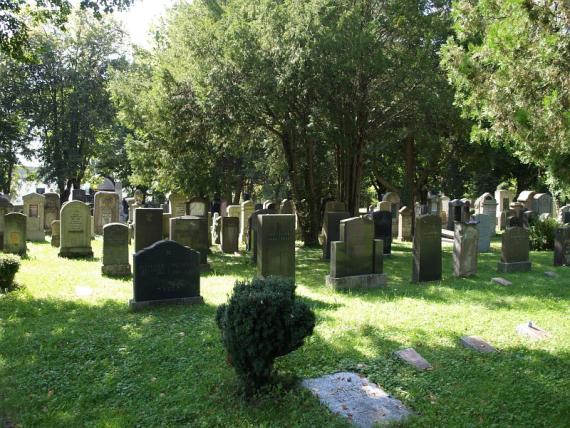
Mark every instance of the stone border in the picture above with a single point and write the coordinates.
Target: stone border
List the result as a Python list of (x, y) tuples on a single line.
[(137, 306)]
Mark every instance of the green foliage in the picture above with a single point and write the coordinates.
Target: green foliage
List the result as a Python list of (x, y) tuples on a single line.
[(541, 234), (260, 322), (9, 266)]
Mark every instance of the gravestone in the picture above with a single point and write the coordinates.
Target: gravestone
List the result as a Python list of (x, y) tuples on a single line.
[(216, 229), (166, 273), (192, 232), (477, 344), (247, 209), (116, 250), (276, 245), (106, 210), (177, 203), (564, 214), (331, 230), (405, 224), (514, 221), (139, 197), (5, 208), (332, 205), (51, 209), (542, 204), (287, 207), (34, 205), (15, 233), (75, 230), (484, 226), (148, 227), (528, 218), (384, 206), (92, 227), (357, 258), (465, 251), (266, 204), (444, 214), (251, 244), (427, 249), (526, 197), (198, 207), (532, 331), (229, 234), (458, 211), (515, 251), (562, 246), (383, 229), (166, 225), (413, 358), (77, 195), (233, 211), (504, 199), (55, 233), (434, 203)]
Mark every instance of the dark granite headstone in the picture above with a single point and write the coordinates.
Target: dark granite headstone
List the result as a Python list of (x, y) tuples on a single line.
[(253, 224), (148, 227), (562, 246), (383, 229), (465, 249), (427, 249), (229, 234), (166, 272), (276, 245), (192, 232), (331, 230), (515, 251), (78, 195), (116, 250)]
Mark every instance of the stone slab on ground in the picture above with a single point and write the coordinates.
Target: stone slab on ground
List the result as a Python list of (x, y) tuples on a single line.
[(551, 274), (501, 281), (354, 397), (412, 357), (532, 331), (373, 280), (477, 344)]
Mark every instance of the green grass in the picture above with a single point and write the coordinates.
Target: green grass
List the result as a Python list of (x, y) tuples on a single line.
[(70, 359)]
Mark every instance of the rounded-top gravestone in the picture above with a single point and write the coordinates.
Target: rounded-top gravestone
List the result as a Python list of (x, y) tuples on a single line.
[(75, 230)]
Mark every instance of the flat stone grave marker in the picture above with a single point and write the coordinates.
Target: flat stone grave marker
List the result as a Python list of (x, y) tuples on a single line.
[(477, 344), (550, 274), (532, 331), (357, 399), (411, 356), (501, 281)]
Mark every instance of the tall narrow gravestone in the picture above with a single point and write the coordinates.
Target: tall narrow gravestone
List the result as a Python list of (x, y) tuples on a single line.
[(515, 251), (116, 250), (357, 259), (276, 245), (484, 226), (166, 225), (229, 234), (383, 229), (75, 230), (106, 210), (405, 224), (5, 208), (331, 230), (427, 249), (465, 251), (395, 201), (562, 246), (166, 273), (148, 227), (55, 233), (51, 209), (192, 232), (15, 233), (247, 209), (252, 228), (34, 205)]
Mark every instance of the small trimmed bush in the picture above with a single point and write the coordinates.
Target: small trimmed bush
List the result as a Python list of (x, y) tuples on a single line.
[(261, 321), (541, 234), (9, 266)]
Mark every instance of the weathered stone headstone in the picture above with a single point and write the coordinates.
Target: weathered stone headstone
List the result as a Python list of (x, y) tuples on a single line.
[(106, 210), (357, 259), (116, 250), (166, 225), (5, 208), (75, 230), (405, 224), (229, 234), (411, 356), (276, 245), (564, 214), (444, 214), (34, 205), (177, 204), (383, 229), (55, 233), (484, 226), (384, 206), (526, 197), (192, 232), (465, 249), (247, 209), (332, 205), (233, 211), (77, 195), (51, 209), (434, 203), (139, 197), (148, 227), (331, 230), (217, 228), (166, 273), (502, 281), (562, 246), (504, 199), (92, 227), (198, 207), (427, 249), (542, 203), (515, 251), (458, 211), (477, 344), (252, 230), (15, 233)]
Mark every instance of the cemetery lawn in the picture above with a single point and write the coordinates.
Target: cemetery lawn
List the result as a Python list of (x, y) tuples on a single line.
[(71, 353)]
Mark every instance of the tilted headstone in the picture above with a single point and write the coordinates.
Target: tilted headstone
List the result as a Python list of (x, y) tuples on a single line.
[(192, 232), (427, 249), (233, 211), (484, 226), (229, 234), (55, 233), (106, 210), (51, 209), (383, 229), (198, 207), (177, 204), (247, 209), (515, 251), (562, 246), (276, 245), (34, 205), (15, 233), (331, 230), (465, 251), (357, 259), (148, 227), (405, 224), (166, 225), (5, 208), (116, 250), (166, 273), (75, 230)]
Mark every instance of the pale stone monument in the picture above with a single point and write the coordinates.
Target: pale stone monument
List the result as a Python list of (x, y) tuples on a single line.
[(75, 230), (106, 210), (34, 205)]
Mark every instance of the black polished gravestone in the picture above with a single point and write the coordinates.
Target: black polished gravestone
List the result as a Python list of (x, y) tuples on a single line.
[(383, 229), (515, 251), (275, 237), (427, 249), (562, 246), (331, 230), (166, 273)]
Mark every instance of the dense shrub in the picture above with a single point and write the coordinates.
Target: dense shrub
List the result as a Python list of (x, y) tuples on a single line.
[(542, 234), (260, 322), (9, 266)]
